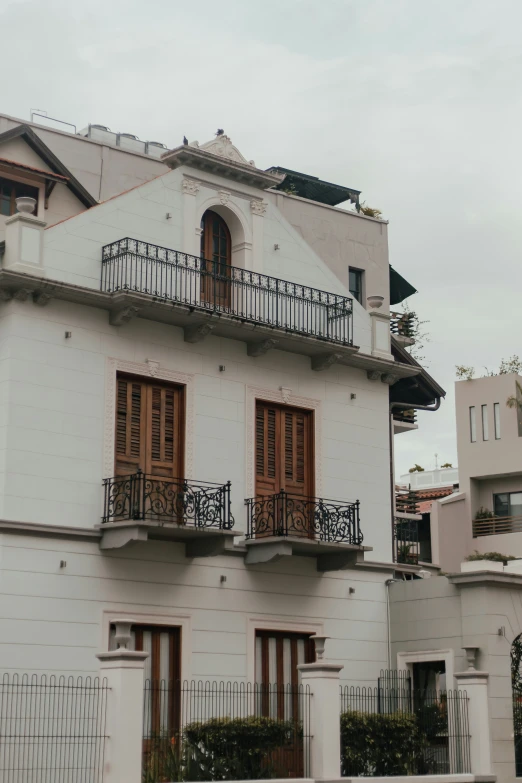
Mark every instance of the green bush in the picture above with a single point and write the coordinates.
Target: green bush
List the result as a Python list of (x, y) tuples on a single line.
[(235, 749), (376, 744), (496, 557)]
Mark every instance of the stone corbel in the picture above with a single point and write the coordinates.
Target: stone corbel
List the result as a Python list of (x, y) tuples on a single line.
[(224, 197), (389, 378), (123, 316), (373, 375), (41, 298), (260, 348), (5, 295), (198, 332), (22, 294), (324, 361)]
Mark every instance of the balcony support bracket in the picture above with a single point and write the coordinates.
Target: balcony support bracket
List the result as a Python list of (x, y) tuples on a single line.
[(260, 348), (324, 361), (123, 315), (121, 536), (197, 332), (267, 552)]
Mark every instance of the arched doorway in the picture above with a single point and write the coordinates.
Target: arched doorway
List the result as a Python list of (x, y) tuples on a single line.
[(516, 684), (216, 257)]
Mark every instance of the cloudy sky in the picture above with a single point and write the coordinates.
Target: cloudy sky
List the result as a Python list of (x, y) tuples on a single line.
[(415, 102)]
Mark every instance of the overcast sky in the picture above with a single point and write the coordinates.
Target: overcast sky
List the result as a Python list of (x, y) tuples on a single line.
[(415, 102)]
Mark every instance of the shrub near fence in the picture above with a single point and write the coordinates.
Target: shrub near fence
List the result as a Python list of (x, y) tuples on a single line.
[(205, 731), (398, 731)]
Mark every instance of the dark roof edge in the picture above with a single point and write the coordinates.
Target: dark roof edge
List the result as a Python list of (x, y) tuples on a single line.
[(406, 358), (41, 148)]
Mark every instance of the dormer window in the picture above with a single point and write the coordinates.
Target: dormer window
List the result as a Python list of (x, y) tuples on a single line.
[(216, 255), (10, 191)]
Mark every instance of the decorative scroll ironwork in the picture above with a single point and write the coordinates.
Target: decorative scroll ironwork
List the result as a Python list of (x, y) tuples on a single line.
[(406, 541), (173, 276), (174, 501), (285, 514)]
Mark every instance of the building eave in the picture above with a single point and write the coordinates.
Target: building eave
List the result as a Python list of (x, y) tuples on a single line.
[(187, 155)]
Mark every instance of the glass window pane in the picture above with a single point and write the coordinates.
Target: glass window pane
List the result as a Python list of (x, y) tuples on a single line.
[(485, 430), (355, 283), (472, 424), (501, 505), (496, 414), (515, 504)]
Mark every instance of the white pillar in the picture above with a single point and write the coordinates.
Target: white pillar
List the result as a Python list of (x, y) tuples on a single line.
[(191, 229), (124, 672), (258, 212), (325, 719), (475, 683), (24, 244)]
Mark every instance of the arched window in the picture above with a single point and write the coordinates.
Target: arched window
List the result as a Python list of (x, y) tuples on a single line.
[(216, 255)]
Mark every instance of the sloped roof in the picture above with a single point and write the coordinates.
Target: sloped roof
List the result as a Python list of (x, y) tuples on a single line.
[(313, 188), (37, 145)]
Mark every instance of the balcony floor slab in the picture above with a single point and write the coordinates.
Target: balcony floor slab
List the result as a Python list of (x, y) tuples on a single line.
[(199, 542), (331, 556)]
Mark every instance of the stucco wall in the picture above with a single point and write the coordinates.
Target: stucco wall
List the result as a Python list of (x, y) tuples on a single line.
[(56, 619), (434, 614)]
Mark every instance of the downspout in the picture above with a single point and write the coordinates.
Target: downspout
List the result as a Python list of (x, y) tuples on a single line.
[(401, 406)]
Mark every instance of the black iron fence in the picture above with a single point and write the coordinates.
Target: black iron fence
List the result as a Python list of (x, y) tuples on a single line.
[(396, 730), (52, 729), (179, 501), (406, 541), (408, 416), (285, 514), (172, 276), (225, 731)]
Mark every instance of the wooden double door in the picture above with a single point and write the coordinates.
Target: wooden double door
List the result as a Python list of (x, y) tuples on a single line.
[(216, 258), (284, 458)]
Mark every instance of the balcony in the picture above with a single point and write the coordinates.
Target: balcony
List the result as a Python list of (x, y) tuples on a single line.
[(140, 507), (405, 541), (496, 526), (286, 524), (229, 295)]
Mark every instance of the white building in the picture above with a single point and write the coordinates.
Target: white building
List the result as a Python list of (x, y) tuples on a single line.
[(202, 409)]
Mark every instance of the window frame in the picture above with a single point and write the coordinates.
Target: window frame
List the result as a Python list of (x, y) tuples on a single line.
[(509, 493), (18, 183), (360, 274), (496, 419), (485, 422), (473, 423)]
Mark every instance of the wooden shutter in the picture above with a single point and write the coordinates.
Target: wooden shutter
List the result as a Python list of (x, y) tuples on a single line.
[(130, 426), (149, 431), (284, 451)]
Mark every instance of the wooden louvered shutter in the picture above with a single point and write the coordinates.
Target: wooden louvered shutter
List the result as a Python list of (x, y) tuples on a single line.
[(130, 426), (164, 431), (296, 446), (268, 449), (284, 451)]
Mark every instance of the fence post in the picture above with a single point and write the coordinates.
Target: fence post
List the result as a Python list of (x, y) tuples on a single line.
[(475, 684), (124, 670), (325, 723)]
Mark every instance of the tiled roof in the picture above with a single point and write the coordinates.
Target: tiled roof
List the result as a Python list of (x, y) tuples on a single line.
[(17, 165)]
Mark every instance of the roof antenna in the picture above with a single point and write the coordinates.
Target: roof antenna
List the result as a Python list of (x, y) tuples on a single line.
[(436, 461)]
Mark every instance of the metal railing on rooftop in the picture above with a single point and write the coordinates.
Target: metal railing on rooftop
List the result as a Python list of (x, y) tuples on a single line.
[(208, 286), (402, 324)]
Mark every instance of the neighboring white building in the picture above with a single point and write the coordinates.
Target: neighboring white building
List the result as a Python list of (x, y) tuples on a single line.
[(430, 479), (138, 380)]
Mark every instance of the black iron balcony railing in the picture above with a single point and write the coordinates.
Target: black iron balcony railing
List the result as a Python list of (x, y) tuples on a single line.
[(405, 541), (172, 276), (167, 501), (285, 514), (403, 324), (406, 501)]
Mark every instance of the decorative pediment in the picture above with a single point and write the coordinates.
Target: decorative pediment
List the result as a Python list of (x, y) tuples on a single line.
[(222, 146)]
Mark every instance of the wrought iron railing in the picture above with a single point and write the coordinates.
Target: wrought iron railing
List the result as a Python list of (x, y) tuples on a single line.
[(496, 526), (52, 728), (286, 514), (196, 730), (406, 501), (403, 324), (172, 500), (405, 541), (172, 276), (401, 731)]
